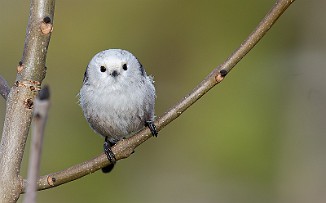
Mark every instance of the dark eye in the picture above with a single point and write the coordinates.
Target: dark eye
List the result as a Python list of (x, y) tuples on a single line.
[(124, 66), (103, 69)]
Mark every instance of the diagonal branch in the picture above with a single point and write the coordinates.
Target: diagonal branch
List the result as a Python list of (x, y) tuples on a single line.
[(124, 148)]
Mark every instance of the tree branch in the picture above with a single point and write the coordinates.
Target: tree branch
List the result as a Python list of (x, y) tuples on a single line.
[(30, 73), (125, 147), (4, 88), (40, 115)]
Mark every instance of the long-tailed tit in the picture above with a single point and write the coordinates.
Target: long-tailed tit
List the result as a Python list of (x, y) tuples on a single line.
[(117, 98)]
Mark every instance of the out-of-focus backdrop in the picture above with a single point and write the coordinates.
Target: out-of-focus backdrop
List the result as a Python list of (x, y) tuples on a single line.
[(257, 137)]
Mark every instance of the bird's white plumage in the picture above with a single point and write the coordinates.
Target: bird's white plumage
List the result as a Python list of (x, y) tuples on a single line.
[(117, 102)]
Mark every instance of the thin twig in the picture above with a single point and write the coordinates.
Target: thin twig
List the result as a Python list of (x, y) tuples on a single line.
[(4, 88), (40, 115), (30, 74), (125, 147)]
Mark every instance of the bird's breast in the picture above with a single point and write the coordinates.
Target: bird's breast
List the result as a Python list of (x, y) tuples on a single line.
[(116, 114)]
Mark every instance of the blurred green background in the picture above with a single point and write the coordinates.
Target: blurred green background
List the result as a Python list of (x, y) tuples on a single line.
[(257, 137)]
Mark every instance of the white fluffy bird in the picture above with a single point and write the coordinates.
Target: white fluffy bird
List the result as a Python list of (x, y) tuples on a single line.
[(117, 97)]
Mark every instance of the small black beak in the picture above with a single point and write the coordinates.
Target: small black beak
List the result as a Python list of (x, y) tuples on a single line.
[(114, 73)]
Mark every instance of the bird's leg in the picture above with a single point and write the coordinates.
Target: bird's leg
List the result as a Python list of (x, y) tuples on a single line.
[(152, 128), (109, 154)]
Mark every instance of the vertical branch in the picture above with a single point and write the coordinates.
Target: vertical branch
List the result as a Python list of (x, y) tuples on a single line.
[(41, 107), (30, 73)]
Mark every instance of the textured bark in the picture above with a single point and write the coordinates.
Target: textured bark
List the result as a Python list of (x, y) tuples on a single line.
[(30, 73)]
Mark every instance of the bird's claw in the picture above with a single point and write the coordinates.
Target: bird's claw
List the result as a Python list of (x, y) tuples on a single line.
[(110, 155), (152, 128)]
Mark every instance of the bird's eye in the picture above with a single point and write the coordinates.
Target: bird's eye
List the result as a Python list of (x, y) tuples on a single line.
[(124, 67), (103, 69)]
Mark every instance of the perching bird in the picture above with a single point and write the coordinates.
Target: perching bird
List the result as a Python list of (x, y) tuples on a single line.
[(117, 98)]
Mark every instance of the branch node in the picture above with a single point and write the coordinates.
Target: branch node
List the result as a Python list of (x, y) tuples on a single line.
[(46, 25), (28, 103), (51, 180), (223, 72), (47, 20), (20, 67), (220, 76), (33, 85)]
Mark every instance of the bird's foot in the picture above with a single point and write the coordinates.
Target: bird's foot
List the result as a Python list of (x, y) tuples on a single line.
[(152, 128), (110, 155)]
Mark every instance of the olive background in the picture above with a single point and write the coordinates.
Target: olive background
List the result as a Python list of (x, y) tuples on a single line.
[(259, 136)]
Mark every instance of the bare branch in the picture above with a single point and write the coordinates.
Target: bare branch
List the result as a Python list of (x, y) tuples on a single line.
[(30, 75), (41, 108), (4, 88), (124, 148)]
